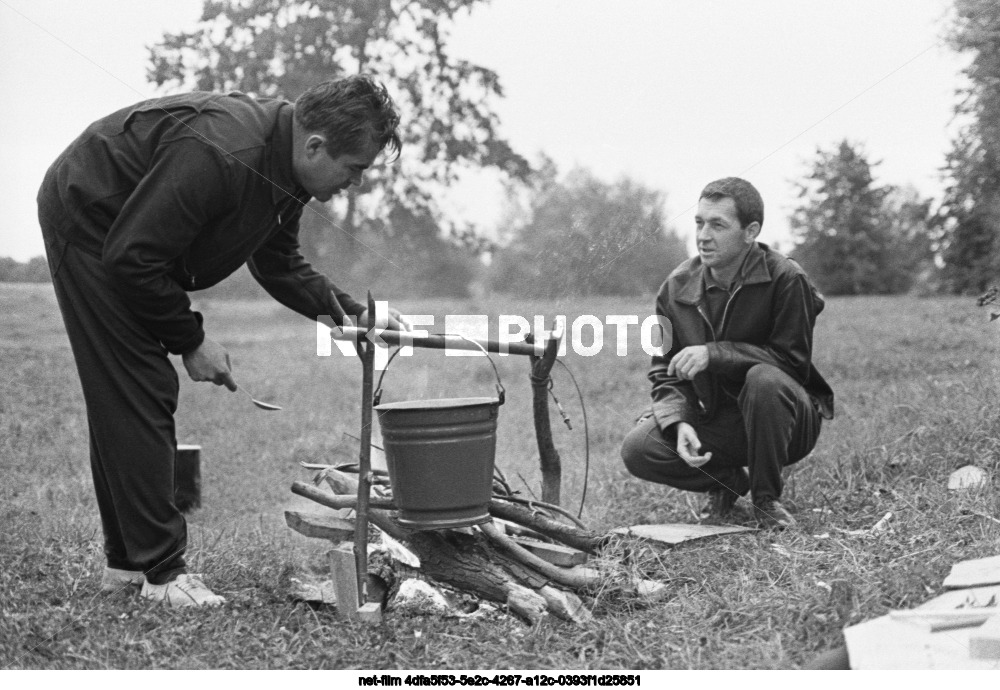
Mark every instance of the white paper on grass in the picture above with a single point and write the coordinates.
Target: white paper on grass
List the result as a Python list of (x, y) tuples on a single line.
[(974, 573), (675, 533)]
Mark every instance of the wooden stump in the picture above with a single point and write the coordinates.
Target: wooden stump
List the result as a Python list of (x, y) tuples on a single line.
[(187, 478)]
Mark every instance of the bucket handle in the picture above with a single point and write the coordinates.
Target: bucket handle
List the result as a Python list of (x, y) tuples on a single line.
[(501, 393)]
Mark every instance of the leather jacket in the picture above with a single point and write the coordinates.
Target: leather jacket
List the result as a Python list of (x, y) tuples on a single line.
[(768, 319)]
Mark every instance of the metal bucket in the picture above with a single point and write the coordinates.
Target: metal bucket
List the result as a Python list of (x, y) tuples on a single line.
[(440, 455)]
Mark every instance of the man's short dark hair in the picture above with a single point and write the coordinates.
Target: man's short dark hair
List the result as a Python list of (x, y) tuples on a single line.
[(350, 113), (749, 204)]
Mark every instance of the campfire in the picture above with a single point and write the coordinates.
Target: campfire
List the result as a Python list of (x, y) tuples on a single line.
[(476, 537)]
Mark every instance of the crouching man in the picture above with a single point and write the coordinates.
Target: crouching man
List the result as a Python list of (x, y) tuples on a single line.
[(735, 396)]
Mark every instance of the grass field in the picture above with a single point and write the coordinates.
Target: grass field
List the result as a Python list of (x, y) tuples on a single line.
[(917, 386)]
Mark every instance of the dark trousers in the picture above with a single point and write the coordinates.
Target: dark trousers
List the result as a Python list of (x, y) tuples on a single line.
[(772, 424), (130, 388)]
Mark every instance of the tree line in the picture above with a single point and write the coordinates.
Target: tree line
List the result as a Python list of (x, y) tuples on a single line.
[(569, 233), (36, 270), (857, 237)]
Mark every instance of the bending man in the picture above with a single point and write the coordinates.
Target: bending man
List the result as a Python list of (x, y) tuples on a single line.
[(171, 195)]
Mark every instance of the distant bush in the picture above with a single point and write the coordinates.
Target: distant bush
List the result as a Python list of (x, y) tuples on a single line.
[(582, 236), (405, 257), (36, 270), (859, 238)]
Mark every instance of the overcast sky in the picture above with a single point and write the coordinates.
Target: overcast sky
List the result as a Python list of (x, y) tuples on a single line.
[(673, 93)]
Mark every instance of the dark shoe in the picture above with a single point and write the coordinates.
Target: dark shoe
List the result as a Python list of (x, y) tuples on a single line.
[(721, 500), (719, 504), (770, 513)]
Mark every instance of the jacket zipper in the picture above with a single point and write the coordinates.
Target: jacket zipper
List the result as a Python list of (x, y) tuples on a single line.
[(725, 311), (192, 283), (708, 321), (722, 328), (701, 403), (187, 274)]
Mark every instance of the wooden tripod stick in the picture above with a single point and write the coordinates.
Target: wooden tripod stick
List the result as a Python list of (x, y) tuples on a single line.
[(548, 456), (367, 353)]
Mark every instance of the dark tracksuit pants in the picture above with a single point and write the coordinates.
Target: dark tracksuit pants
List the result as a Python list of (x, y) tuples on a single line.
[(130, 388), (772, 424)]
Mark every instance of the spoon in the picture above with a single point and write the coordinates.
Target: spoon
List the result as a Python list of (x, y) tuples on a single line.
[(262, 405)]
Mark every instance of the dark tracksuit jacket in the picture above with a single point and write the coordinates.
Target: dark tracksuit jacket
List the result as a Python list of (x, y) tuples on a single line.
[(157, 199)]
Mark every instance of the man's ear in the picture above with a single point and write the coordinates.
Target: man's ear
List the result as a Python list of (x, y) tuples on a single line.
[(315, 145), (751, 231)]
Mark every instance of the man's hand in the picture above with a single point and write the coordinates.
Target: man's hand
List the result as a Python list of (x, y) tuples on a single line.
[(210, 362), (689, 362), (397, 322), (689, 447)]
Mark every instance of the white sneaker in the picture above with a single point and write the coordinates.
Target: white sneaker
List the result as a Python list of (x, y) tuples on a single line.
[(186, 590), (115, 580)]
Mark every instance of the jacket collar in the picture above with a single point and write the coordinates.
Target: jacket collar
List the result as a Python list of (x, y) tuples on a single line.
[(282, 180), (692, 279)]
